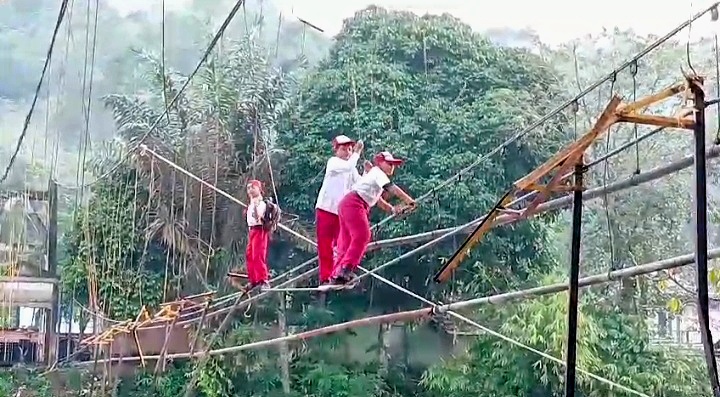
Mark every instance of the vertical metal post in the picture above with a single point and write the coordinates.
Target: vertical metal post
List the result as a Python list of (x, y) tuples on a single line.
[(51, 317), (570, 357), (700, 220)]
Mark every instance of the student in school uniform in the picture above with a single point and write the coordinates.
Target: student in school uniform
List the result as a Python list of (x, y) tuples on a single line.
[(340, 175), (258, 237), (354, 214)]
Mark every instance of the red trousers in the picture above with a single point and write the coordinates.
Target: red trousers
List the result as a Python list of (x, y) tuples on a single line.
[(256, 255), (354, 214), (327, 229)]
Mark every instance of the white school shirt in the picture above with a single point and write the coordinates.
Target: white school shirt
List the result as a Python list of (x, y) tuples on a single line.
[(251, 221), (371, 185), (340, 175)]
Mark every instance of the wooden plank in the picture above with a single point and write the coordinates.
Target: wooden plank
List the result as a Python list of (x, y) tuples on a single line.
[(642, 103), (658, 121), (464, 250), (606, 119)]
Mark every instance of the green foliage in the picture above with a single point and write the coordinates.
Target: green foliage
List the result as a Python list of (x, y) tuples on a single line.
[(107, 246), (223, 128), (320, 379), (610, 344), (144, 384), (148, 225), (30, 382)]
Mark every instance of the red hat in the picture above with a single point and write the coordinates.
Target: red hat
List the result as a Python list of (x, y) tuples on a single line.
[(388, 158), (255, 182), (341, 140)]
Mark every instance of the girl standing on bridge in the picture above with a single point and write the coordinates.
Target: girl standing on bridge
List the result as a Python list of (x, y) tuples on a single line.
[(258, 237), (354, 214)]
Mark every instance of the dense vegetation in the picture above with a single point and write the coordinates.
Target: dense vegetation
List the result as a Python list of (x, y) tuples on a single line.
[(265, 105)]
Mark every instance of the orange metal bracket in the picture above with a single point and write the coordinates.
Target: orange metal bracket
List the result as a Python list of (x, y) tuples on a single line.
[(559, 168)]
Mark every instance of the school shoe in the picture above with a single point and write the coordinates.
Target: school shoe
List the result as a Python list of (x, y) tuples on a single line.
[(261, 286), (345, 277)]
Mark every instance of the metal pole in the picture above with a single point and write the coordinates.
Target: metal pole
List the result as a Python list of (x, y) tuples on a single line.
[(52, 314), (700, 220), (574, 283)]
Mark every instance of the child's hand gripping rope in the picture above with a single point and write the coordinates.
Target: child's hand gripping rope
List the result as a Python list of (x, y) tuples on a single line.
[(402, 211)]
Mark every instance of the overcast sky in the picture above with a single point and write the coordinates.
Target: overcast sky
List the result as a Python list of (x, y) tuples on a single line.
[(554, 20)]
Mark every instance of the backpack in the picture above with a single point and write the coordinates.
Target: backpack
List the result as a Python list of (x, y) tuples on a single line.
[(271, 218)]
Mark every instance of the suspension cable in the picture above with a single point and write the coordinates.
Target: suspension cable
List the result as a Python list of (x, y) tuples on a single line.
[(174, 100), (48, 57), (633, 72)]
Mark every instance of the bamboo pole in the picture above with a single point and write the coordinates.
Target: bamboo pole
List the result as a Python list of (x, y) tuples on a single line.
[(415, 315), (665, 264), (362, 322)]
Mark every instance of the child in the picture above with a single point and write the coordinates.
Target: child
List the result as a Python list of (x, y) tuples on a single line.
[(258, 237), (354, 212), (340, 175)]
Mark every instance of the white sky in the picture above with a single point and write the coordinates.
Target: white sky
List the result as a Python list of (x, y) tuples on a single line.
[(554, 20)]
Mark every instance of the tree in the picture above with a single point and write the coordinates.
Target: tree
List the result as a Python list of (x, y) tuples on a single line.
[(112, 266)]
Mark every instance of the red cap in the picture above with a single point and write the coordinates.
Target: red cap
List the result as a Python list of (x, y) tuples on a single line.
[(255, 182), (341, 140), (388, 158)]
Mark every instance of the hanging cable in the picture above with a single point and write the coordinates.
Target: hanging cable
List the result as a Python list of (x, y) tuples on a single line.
[(174, 100), (575, 107), (88, 106), (717, 84), (162, 62), (48, 57), (633, 72), (611, 239)]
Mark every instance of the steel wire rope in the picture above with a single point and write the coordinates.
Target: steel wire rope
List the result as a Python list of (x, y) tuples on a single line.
[(61, 86), (606, 205), (216, 309), (257, 344), (155, 124), (204, 355), (87, 85), (56, 148), (26, 124), (434, 305)]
